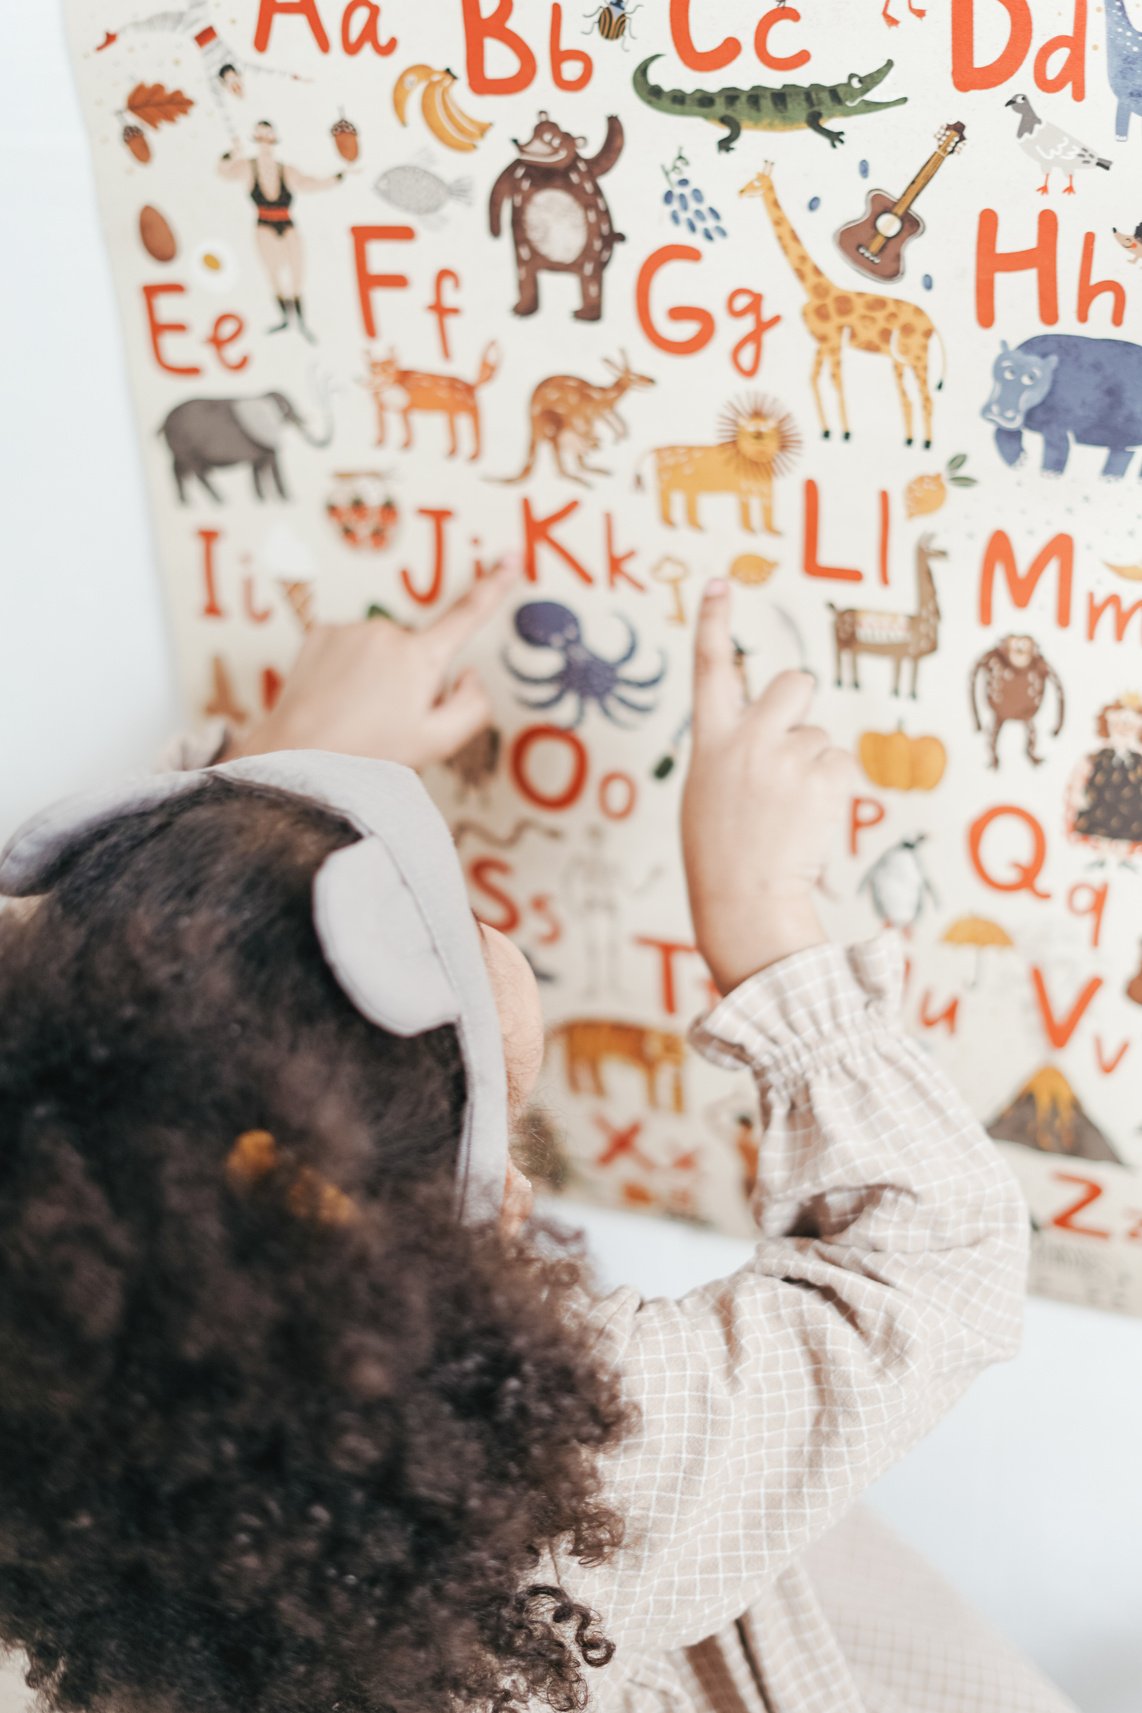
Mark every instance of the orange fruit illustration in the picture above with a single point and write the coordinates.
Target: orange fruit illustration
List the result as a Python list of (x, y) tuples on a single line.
[(924, 494), (751, 569)]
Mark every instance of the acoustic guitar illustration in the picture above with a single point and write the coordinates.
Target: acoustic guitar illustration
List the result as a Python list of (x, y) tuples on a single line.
[(876, 242)]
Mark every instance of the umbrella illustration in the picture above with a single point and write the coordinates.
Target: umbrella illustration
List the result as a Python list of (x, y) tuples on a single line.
[(976, 931)]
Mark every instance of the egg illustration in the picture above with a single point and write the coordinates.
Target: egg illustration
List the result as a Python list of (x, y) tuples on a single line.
[(156, 236)]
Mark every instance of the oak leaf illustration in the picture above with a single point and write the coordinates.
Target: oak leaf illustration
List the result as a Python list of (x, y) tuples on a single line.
[(156, 105)]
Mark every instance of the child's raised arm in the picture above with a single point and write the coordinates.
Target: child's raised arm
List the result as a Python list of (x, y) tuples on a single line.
[(892, 1255)]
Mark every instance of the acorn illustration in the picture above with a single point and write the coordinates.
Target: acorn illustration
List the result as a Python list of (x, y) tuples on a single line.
[(346, 138), (137, 143)]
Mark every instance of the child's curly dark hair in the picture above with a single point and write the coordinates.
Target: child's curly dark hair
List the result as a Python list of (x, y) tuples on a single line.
[(250, 1460)]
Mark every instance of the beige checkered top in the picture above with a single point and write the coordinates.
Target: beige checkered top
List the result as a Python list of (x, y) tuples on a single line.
[(889, 1271)]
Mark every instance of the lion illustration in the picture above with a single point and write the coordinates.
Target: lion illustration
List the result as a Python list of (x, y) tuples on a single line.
[(758, 441)]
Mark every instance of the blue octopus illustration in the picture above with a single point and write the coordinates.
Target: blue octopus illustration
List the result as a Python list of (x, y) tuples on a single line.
[(587, 676)]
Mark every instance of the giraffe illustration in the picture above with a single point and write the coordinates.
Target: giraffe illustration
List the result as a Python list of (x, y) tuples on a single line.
[(886, 326), (1123, 65)]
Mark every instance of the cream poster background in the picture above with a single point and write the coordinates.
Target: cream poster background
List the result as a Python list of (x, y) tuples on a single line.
[(341, 349)]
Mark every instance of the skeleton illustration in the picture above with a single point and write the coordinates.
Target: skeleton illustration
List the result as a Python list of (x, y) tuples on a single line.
[(596, 886)]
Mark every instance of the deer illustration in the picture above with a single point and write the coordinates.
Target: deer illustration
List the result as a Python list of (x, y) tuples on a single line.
[(901, 636), (565, 413), (409, 390)]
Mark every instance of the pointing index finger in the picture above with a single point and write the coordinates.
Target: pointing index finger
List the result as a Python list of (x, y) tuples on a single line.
[(717, 687), (785, 701), (460, 622)]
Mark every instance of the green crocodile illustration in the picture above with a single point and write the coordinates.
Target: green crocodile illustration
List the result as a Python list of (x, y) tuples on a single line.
[(791, 108)]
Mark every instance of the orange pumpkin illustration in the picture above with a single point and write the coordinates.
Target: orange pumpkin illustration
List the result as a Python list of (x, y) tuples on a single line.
[(901, 763)]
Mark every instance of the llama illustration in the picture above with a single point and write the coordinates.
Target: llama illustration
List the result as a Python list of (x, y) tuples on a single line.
[(409, 390), (901, 636), (865, 321)]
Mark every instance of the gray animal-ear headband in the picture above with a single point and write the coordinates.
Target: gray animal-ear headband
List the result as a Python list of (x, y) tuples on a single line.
[(390, 911)]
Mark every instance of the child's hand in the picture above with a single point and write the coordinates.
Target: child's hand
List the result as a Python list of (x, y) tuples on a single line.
[(762, 800), (377, 689)]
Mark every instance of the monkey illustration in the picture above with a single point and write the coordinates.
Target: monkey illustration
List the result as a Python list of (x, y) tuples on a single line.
[(560, 219), (1015, 681)]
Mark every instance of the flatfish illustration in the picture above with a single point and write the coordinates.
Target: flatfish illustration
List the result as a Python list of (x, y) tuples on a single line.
[(417, 190)]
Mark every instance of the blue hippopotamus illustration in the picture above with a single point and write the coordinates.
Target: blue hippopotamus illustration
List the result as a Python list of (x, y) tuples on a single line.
[(1068, 387)]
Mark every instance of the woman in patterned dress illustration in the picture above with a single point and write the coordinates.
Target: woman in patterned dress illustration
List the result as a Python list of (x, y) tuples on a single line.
[(1104, 797)]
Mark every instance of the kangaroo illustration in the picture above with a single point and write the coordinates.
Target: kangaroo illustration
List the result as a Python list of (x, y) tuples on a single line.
[(409, 390), (901, 636), (589, 1041), (565, 413)]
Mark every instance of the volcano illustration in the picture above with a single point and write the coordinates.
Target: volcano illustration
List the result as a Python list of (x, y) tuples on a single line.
[(1046, 1114)]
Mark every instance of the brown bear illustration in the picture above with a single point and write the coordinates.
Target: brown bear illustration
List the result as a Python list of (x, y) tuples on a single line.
[(560, 218)]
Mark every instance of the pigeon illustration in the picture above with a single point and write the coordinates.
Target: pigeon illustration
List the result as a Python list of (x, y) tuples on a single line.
[(1131, 241), (897, 884), (1052, 147)]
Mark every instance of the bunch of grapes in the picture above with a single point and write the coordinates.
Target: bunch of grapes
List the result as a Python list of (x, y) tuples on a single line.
[(687, 204)]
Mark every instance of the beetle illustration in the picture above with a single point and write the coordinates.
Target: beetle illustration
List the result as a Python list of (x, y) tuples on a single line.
[(612, 20)]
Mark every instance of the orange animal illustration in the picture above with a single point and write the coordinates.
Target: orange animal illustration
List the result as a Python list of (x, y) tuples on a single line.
[(589, 1041), (566, 413), (759, 440), (901, 636), (864, 321), (406, 391)]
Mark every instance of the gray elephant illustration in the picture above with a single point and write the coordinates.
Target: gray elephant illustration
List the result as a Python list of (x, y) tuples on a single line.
[(214, 434), (1070, 389)]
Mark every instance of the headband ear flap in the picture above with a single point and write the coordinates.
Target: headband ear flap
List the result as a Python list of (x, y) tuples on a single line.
[(63, 828), (377, 943)]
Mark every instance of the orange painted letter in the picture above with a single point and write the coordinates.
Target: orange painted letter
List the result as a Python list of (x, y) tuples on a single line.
[(1040, 259), (778, 62), (812, 565), (307, 9), (478, 30), (1090, 288), (999, 555), (155, 327), (700, 319), (563, 58), (368, 283), (967, 73), (698, 59)]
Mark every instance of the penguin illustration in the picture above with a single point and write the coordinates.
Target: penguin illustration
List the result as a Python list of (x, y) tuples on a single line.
[(897, 885)]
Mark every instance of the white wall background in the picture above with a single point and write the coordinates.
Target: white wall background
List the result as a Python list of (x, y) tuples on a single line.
[(1029, 1497)]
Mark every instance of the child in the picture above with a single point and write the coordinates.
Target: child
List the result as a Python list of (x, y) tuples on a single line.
[(280, 1431)]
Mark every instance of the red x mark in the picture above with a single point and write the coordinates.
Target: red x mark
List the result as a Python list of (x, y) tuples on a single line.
[(619, 1142)]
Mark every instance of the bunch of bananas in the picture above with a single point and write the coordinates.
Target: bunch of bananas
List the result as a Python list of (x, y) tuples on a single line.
[(444, 117)]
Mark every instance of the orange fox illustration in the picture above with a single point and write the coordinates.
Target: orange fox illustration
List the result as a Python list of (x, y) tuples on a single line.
[(407, 390)]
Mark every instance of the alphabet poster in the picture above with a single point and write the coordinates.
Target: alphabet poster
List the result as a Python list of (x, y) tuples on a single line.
[(838, 302)]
